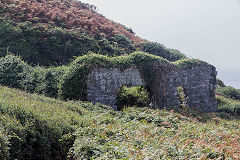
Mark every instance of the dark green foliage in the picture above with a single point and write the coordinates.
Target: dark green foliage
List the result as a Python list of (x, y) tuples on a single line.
[(13, 71), (17, 74), (73, 85), (160, 50), (227, 105), (44, 45), (4, 145), (188, 63), (132, 96), (39, 128), (48, 45), (229, 92), (220, 83), (123, 43)]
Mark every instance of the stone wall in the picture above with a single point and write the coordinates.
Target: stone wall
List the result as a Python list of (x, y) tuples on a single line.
[(103, 84), (199, 84)]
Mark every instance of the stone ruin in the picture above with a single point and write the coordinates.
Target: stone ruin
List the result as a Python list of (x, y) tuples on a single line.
[(198, 83)]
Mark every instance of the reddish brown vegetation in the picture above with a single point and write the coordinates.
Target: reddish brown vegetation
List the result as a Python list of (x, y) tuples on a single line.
[(68, 14)]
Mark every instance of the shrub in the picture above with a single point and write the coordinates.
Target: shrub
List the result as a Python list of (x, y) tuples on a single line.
[(51, 45), (17, 74), (123, 43), (4, 145), (188, 63), (38, 44), (182, 96), (39, 127), (228, 105), (132, 96), (13, 71), (229, 92), (220, 83), (160, 50)]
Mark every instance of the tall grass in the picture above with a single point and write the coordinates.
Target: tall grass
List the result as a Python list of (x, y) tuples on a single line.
[(40, 127), (37, 127)]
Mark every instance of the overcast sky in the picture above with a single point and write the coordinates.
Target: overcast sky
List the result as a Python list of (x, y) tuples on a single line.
[(204, 29)]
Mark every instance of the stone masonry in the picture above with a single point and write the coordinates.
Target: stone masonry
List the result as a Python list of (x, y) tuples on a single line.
[(199, 84), (103, 84)]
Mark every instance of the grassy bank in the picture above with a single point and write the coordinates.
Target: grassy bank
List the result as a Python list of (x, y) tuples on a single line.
[(38, 127)]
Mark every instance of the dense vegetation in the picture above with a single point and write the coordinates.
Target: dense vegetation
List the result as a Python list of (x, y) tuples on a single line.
[(229, 92), (69, 14), (69, 82), (52, 45), (36, 127), (53, 33), (43, 35), (132, 96), (161, 51), (18, 74)]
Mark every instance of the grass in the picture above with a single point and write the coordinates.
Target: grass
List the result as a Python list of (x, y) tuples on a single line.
[(158, 134), (40, 127), (44, 128)]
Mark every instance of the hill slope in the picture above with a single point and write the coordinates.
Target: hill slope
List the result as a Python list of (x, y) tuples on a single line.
[(37, 127), (54, 32), (70, 14)]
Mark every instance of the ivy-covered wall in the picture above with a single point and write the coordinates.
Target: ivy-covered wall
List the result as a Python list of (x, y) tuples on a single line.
[(159, 76), (198, 82)]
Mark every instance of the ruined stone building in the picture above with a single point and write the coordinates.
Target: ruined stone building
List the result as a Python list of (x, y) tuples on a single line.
[(198, 82)]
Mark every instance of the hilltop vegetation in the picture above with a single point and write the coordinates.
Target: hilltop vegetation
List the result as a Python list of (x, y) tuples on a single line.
[(69, 14), (53, 32)]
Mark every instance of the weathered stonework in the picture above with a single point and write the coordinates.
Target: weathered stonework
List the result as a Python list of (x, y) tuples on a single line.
[(198, 82), (103, 84)]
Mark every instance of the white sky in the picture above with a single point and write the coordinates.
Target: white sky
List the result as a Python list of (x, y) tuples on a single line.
[(204, 29)]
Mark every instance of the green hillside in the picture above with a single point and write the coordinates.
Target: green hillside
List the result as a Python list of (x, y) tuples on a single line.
[(53, 32), (37, 127), (47, 49)]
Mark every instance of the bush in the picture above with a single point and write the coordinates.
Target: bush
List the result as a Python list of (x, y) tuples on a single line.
[(39, 127), (188, 63), (13, 71), (44, 45), (229, 92), (4, 145), (220, 83), (17, 74), (124, 43), (49, 45), (132, 96), (160, 50), (228, 105)]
